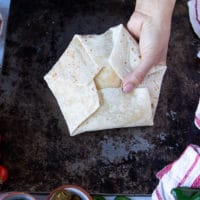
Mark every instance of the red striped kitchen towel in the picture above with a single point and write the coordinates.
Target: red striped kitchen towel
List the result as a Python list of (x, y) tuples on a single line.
[(185, 171), (197, 116)]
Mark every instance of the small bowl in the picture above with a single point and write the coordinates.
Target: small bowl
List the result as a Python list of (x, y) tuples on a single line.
[(74, 190), (16, 195)]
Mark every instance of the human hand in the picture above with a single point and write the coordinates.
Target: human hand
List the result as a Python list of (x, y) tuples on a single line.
[(150, 24)]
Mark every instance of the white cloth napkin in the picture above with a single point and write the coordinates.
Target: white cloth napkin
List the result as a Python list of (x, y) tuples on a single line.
[(1, 24), (194, 13), (185, 171)]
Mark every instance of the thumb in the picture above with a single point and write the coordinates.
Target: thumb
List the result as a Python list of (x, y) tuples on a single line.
[(133, 79), (135, 23)]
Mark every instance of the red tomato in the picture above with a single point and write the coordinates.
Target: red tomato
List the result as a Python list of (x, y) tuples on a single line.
[(3, 174)]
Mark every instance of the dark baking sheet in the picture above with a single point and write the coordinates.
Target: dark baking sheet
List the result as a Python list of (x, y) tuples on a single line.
[(37, 148)]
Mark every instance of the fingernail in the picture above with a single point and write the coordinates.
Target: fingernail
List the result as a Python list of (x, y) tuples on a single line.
[(128, 87)]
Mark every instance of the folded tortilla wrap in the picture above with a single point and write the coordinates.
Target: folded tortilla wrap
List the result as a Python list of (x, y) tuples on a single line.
[(86, 82)]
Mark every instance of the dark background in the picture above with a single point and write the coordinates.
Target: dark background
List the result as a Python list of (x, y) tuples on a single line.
[(36, 146)]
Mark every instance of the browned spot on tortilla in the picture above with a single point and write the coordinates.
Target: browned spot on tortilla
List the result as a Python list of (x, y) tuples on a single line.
[(54, 75)]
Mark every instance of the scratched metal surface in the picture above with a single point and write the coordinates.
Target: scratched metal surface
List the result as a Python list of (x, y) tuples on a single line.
[(37, 148)]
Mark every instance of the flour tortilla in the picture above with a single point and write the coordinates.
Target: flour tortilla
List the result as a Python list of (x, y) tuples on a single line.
[(76, 102), (86, 82), (120, 110), (78, 67), (107, 77), (153, 82), (125, 53)]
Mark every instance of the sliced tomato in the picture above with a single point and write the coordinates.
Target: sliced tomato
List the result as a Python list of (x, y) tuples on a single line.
[(3, 174)]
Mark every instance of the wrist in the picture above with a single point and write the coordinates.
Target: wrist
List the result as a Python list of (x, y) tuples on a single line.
[(158, 9)]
